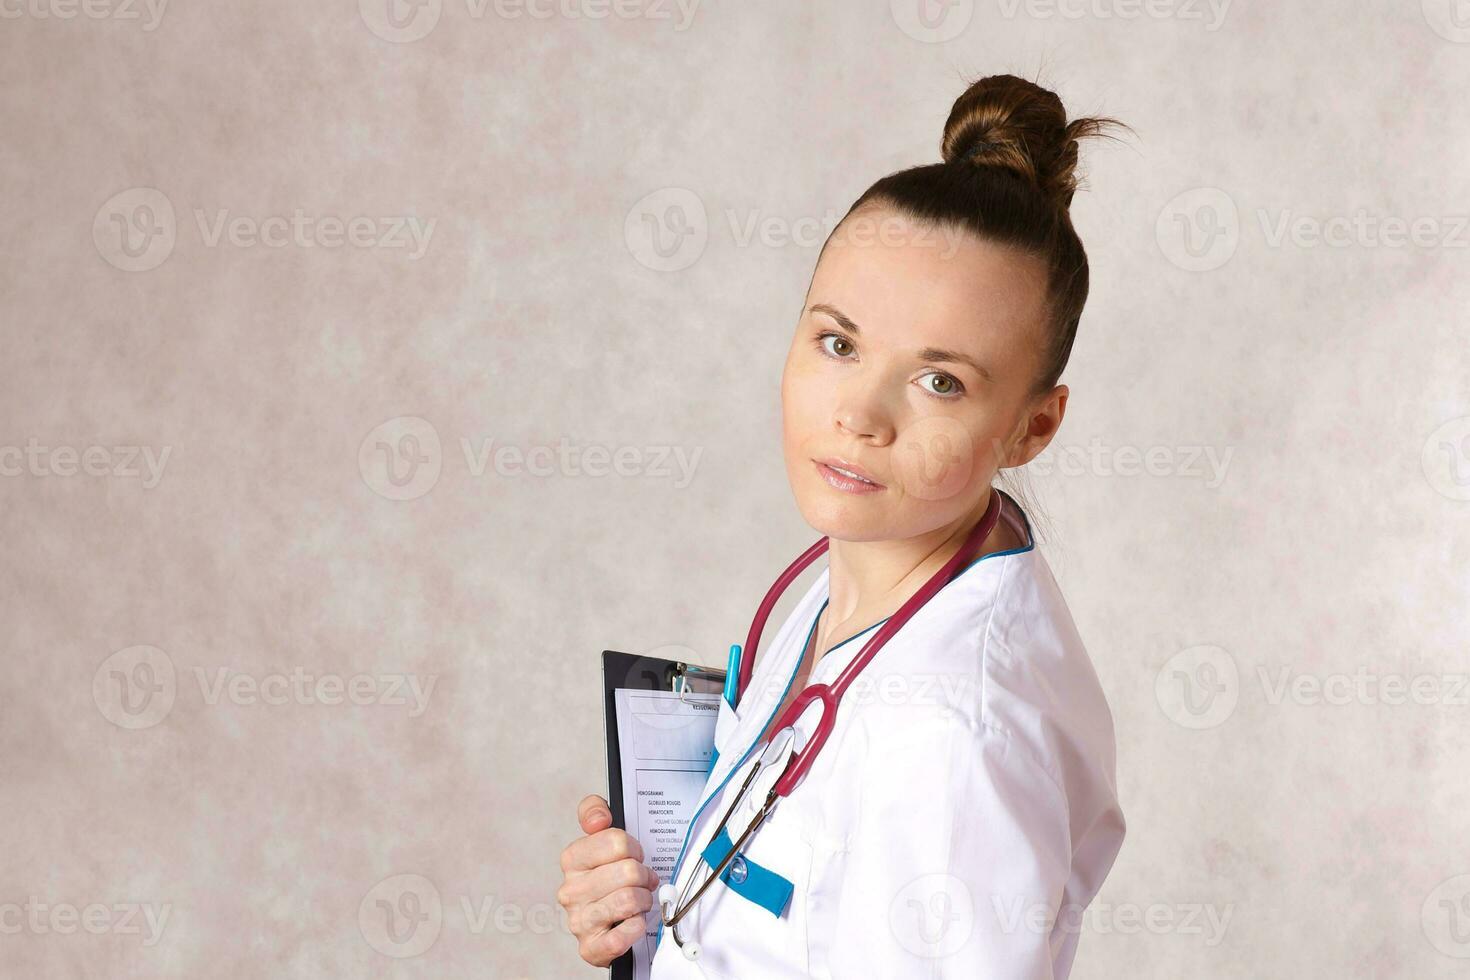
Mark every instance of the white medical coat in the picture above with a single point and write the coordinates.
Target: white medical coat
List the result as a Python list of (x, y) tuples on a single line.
[(960, 817)]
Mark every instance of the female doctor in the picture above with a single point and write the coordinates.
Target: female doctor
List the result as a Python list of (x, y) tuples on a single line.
[(962, 809)]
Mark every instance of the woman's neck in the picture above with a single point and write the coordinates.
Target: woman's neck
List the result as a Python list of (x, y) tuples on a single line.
[(869, 580)]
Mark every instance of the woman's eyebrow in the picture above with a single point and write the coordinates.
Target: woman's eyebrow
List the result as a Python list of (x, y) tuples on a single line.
[(954, 357), (837, 315), (927, 354)]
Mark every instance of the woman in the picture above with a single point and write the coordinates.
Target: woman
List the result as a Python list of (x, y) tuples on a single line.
[(963, 811)]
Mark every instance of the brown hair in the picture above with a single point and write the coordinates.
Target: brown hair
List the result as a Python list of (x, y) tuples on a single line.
[(1008, 176)]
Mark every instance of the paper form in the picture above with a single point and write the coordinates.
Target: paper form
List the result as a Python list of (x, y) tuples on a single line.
[(666, 743)]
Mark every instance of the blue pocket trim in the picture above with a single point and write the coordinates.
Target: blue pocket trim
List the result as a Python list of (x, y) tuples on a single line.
[(761, 885)]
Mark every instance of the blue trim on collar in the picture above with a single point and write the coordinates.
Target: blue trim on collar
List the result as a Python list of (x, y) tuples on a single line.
[(759, 884)]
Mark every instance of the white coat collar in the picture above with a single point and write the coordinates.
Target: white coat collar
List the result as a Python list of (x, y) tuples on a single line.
[(773, 676)]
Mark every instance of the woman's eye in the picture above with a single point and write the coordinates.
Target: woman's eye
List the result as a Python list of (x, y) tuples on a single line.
[(941, 384), (835, 345)]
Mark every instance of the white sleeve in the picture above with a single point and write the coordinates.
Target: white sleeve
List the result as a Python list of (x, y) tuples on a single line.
[(958, 861)]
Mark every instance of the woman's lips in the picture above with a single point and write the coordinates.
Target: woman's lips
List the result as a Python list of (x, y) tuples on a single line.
[(847, 482)]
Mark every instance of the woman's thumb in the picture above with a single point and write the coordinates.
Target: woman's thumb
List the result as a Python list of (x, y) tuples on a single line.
[(594, 814)]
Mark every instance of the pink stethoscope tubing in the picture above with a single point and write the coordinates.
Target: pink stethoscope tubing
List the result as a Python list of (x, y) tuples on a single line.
[(831, 694)]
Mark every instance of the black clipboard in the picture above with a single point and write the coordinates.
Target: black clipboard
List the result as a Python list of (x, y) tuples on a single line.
[(627, 671)]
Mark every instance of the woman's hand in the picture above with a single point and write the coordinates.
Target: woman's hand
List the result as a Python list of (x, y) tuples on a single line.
[(606, 888)]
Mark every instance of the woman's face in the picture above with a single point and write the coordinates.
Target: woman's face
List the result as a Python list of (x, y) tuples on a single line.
[(912, 366)]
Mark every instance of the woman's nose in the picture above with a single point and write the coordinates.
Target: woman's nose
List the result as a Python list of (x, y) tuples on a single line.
[(861, 414)]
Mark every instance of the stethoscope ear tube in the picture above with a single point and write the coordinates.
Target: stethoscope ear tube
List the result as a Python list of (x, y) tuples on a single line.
[(773, 595)]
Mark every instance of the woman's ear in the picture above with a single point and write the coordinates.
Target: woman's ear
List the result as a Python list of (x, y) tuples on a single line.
[(1036, 428)]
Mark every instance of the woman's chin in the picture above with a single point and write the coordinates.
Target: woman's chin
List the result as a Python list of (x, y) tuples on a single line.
[(858, 519)]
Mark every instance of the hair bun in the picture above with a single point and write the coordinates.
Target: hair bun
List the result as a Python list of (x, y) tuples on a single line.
[(1016, 125)]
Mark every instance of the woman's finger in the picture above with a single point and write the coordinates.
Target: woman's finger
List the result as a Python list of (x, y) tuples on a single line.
[(603, 847), (593, 814), (624, 903), (603, 948), (594, 885)]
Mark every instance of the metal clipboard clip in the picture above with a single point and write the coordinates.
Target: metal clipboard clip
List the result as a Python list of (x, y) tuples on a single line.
[(682, 672)]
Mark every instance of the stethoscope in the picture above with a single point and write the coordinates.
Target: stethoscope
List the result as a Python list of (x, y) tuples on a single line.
[(830, 695)]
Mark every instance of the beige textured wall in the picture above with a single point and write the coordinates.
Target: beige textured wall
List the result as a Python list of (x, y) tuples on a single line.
[(253, 677)]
